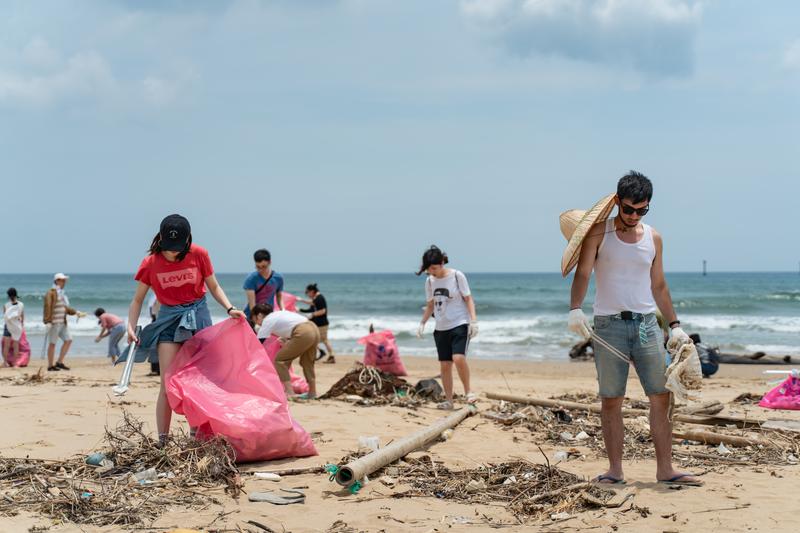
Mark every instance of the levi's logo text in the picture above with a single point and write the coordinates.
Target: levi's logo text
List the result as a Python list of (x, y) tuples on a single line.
[(177, 277)]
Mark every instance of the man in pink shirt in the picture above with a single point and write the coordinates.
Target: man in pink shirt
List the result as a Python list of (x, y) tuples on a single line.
[(113, 327)]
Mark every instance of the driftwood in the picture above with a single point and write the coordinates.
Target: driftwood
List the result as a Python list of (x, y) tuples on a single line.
[(705, 420), (356, 470), (707, 437), (758, 358)]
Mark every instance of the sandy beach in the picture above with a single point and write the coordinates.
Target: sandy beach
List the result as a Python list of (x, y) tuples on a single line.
[(66, 415)]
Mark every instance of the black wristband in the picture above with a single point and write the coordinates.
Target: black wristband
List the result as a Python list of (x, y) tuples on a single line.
[(674, 323), (231, 308)]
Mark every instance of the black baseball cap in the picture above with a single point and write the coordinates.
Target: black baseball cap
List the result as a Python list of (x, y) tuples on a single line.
[(175, 231)]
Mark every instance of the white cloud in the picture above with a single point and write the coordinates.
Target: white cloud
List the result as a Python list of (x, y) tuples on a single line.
[(791, 56), (39, 77), (654, 37)]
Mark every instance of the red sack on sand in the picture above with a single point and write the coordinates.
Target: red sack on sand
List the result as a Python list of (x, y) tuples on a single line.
[(288, 300), (24, 351), (784, 396), (272, 345), (381, 352), (223, 384)]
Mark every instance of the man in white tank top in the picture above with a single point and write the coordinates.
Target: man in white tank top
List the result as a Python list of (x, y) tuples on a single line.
[(626, 256)]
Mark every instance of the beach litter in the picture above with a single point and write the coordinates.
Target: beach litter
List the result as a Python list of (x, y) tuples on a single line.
[(528, 490), (75, 491), (368, 386), (753, 444)]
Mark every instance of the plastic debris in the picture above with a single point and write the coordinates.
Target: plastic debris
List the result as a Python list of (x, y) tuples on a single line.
[(476, 485), (369, 443), (268, 476), (447, 434), (561, 456), (723, 450), (582, 436)]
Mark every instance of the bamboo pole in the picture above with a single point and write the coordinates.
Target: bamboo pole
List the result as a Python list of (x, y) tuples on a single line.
[(714, 420), (356, 470)]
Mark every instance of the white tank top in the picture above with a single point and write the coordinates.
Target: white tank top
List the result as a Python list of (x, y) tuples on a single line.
[(622, 274)]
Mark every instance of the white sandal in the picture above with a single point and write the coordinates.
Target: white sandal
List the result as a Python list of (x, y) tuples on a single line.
[(445, 406)]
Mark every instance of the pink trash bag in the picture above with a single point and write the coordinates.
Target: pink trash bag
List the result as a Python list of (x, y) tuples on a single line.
[(272, 345), (784, 396), (223, 384), (24, 351), (381, 352), (288, 300)]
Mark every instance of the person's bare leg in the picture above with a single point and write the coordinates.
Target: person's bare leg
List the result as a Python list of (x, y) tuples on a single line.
[(166, 353), (51, 354), (6, 347), (613, 434), (16, 350), (447, 379), (463, 371), (661, 432), (64, 350), (287, 388)]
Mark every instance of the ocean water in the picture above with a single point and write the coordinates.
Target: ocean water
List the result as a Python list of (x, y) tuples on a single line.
[(520, 315)]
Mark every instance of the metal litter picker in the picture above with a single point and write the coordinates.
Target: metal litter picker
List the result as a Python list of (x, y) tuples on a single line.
[(125, 379)]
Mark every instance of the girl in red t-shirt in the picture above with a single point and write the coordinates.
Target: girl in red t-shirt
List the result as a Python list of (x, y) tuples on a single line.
[(179, 273)]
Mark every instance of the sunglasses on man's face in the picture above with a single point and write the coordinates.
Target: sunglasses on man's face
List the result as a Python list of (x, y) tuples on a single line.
[(629, 210)]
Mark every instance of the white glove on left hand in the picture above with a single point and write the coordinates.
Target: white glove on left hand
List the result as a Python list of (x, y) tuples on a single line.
[(420, 330), (578, 323), (677, 338), (472, 330)]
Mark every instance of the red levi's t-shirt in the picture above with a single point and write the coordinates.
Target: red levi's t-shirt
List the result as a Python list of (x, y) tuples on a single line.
[(179, 282)]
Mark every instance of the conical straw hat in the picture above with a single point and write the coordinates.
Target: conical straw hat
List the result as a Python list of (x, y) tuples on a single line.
[(575, 225)]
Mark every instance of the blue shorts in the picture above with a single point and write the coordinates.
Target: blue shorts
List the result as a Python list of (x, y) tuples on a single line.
[(647, 357)]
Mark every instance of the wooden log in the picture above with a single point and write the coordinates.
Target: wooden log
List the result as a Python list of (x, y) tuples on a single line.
[(356, 470), (758, 358), (714, 420), (708, 437), (708, 408)]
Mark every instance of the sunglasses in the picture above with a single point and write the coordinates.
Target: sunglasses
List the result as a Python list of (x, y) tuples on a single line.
[(629, 209)]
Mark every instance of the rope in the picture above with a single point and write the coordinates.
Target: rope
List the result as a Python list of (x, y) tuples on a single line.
[(605, 344), (369, 375)]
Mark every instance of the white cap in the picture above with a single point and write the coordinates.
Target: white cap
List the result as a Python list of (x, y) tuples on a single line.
[(59, 276)]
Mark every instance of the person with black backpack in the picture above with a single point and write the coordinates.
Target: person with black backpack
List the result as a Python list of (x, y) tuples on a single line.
[(264, 286)]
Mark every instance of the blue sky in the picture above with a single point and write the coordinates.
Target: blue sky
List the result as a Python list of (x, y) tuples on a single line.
[(349, 135)]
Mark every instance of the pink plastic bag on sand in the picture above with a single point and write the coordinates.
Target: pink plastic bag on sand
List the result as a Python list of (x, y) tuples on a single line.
[(24, 351), (288, 300), (223, 384), (784, 396), (381, 352), (272, 345)]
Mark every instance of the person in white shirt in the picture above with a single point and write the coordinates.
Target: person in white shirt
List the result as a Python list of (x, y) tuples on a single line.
[(300, 339), (450, 302), (14, 320)]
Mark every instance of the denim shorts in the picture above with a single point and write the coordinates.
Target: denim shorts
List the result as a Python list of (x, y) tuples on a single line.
[(203, 320), (647, 357)]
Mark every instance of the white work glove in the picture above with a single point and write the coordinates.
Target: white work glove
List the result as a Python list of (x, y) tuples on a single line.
[(578, 323), (472, 330), (677, 338), (420, 330)]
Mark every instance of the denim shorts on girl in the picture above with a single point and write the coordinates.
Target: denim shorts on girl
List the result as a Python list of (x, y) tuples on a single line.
[(641, 339)]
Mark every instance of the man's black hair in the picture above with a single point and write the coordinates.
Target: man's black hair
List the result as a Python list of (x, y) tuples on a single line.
[(99, 311), (262, 255), (634, 187), (12, 293), (695, 338)]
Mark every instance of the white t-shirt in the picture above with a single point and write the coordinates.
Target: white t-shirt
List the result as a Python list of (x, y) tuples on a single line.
[(12, 317), (281, 323), (447, 293)]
